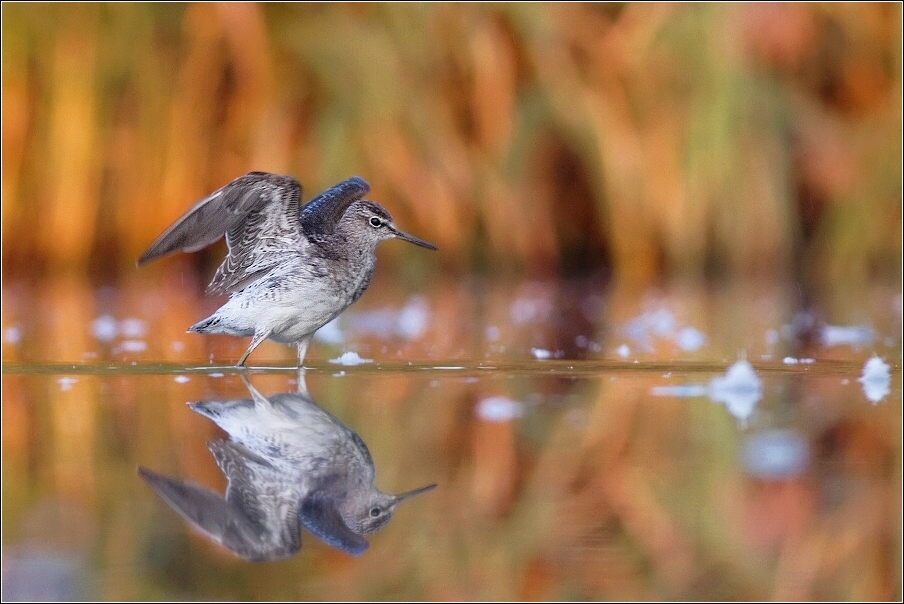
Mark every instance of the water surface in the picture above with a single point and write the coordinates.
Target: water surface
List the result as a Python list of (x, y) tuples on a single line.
[(587, 443)]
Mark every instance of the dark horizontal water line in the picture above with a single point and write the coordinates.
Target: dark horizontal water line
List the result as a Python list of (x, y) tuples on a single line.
[(540, 367)]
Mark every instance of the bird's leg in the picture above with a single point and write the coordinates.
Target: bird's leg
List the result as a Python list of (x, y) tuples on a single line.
[(302, 349), (255, 342), (302, 384), (259, 399)]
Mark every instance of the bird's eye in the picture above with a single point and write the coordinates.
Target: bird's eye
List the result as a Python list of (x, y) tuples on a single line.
[(375, 511), (376, 223)]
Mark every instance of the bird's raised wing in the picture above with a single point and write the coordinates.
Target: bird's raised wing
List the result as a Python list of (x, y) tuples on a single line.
[(259, 215)]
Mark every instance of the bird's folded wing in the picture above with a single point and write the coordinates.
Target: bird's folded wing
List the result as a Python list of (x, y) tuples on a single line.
[(320, 215), (320, 516)]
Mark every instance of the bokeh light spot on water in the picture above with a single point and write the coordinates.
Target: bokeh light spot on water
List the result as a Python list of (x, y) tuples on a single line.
[(67, 382), (499, 409), (775, 454), (12, 334), (330, 333), (131, 346), (133, 328), (689, 339), (105, 328), (856, 336)]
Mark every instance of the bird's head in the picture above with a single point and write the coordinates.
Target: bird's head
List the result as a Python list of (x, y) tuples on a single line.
[(368, 222), (371, 514)]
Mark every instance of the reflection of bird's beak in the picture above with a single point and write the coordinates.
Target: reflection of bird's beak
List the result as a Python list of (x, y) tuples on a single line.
[(400, 498), (413, 239)]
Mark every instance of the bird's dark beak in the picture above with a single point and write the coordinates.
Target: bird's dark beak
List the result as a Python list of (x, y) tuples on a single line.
[(413, 239), (400, 498)]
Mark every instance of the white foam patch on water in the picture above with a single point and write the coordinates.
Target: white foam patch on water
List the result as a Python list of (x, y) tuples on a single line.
[(181, 379), (104, 328), (350, 359), (499, 409), (876, 379), (789, 361), (739, 390)]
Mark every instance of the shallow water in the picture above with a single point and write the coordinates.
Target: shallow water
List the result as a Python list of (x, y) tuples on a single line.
[(587, 443)]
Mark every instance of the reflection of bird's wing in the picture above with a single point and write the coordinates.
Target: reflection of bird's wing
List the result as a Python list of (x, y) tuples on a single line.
[(258, 213), (258, 519), (202, 507), (263, 504)]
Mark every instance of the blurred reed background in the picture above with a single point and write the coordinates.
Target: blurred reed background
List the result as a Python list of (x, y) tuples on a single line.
[(641, 141)]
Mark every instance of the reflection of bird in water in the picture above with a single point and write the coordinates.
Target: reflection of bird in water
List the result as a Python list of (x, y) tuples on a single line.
[(289, 464), (289, 271)]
